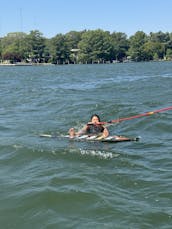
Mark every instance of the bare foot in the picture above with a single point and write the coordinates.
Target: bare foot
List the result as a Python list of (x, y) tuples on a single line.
[(72, 132)]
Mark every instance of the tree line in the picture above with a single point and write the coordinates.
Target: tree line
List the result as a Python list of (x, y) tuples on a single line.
[(87, 46)]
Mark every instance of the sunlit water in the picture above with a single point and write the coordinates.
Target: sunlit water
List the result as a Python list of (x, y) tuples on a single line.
[(58, 183)]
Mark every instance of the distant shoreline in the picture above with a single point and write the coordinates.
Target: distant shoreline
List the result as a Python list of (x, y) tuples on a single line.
[(25, 64), (50, 64)]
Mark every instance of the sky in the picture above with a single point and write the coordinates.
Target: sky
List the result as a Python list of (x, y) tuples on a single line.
[(52, 17)]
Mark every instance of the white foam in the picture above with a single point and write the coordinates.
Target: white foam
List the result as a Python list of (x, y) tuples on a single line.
[(98, 153)]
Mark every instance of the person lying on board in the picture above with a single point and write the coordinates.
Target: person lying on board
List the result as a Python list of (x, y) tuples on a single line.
[(94, 127), (91, 128)]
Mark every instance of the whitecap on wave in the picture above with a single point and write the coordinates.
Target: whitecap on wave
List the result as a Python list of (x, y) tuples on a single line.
[(98, 153)]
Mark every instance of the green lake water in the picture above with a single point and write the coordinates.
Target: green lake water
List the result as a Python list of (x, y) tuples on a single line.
[(57, 183)]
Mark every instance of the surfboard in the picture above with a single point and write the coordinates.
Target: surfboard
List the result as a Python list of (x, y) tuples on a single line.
[(109, 139)]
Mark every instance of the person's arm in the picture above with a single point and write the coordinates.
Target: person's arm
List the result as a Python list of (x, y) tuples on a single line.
[(82, 131)]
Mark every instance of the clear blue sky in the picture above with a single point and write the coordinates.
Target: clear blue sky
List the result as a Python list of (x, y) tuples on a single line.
[(52, 17)]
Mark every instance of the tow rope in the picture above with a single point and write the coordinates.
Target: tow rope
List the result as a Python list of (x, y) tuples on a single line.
[(137, 116)]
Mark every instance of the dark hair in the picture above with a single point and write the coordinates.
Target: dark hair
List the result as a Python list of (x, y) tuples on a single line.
[(95, 115)]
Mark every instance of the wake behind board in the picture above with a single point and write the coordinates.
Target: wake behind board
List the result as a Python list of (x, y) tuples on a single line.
[(109, 139)]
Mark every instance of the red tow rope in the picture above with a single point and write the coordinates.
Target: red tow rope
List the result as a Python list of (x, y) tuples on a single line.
[(137, 116)]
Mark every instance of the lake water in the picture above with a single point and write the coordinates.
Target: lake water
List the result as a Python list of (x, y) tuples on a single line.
[(57, 183)]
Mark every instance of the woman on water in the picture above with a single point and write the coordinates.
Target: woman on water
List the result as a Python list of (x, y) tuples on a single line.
[(94, 127)]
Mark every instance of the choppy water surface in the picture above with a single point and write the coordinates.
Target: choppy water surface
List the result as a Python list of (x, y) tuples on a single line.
[(57, 183)]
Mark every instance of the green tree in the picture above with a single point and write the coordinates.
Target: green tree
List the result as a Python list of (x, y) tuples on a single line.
[(169, 54), (159, 37), (136, 50), (47, 51), (95, 46), (72, 39), (13, 47), (59, 50), (92, 46), (12, 54), (164, 40), (120, 45), (148, 49), (0, 49), (35, 46), (153, 50)]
